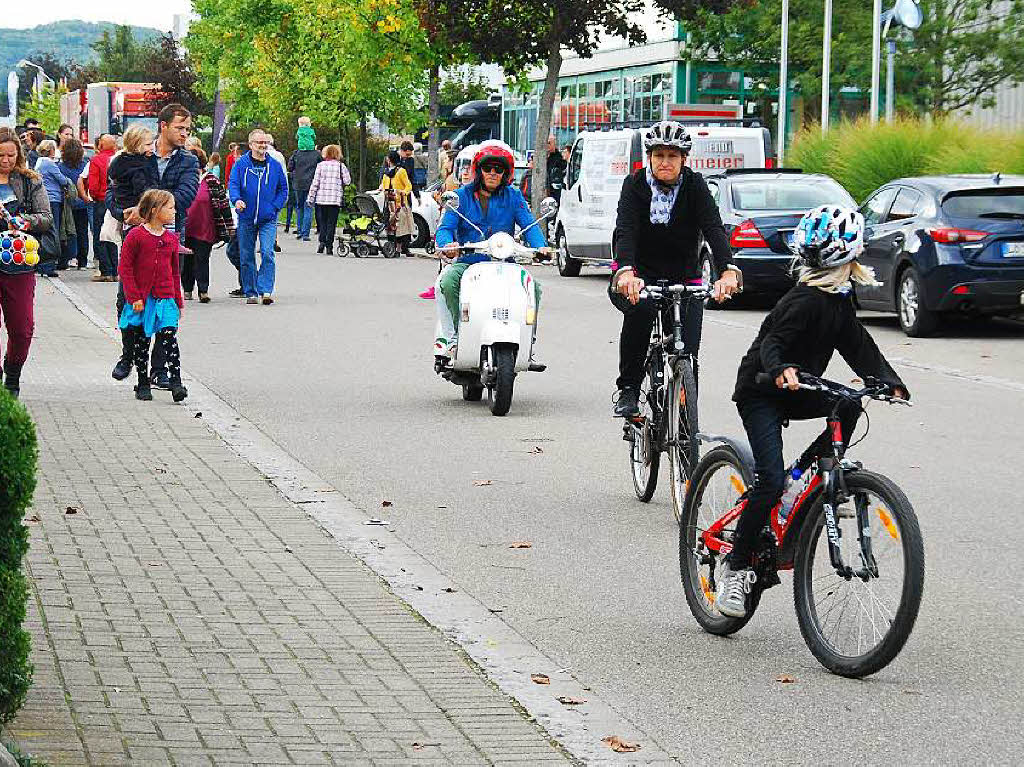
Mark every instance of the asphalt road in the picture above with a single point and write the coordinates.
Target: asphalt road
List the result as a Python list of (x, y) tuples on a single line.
[(339, 373)]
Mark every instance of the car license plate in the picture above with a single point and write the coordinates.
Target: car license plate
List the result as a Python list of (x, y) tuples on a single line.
[(789, 239), (1013, 250), (716, 147)]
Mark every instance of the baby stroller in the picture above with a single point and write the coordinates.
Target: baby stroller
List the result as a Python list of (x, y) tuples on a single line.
[(366, 234)]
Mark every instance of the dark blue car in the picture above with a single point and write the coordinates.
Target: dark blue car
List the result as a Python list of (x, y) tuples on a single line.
[(945, 245)]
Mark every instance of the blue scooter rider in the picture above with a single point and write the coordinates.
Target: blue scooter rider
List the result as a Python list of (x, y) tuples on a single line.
[(493, 204)]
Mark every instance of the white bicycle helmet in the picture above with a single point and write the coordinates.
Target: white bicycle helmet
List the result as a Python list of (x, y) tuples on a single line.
[(668, 133), (829, 236)]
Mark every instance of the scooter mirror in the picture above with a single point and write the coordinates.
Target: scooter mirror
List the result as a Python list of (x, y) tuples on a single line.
[(450, 200), (548, 207)]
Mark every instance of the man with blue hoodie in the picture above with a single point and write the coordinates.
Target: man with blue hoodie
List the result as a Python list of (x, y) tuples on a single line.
[(258, 189)]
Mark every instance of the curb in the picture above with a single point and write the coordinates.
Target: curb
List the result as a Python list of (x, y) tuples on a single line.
[(505, 657)]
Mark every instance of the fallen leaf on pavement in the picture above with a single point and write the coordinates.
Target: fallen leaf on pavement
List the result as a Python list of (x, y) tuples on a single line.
[(421, 746), (483, 482), (536, 449), (418, 588), (520, 545), (540, 678), (785, 679), (615, 743), (375, 521), (198, 414), (567, 700), (70, 510), (385, 504), (288, 549), (442, 507), (449, 590), (34, 518)]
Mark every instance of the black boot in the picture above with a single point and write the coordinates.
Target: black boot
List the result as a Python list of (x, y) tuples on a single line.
[(12, 379), (140, 351), (168, 341), (320, 248), (123, 368)]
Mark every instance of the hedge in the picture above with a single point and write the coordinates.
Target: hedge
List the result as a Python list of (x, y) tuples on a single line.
[(862, 157), (17, 483)]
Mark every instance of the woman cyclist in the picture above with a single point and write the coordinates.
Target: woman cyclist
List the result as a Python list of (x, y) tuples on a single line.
[(814, 319), (662, 211)]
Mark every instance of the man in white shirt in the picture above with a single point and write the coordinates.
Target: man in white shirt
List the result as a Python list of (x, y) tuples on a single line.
[(272, 152)]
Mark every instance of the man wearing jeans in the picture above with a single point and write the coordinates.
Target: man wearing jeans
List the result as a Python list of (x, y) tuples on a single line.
[(258, 190), (302, 165)]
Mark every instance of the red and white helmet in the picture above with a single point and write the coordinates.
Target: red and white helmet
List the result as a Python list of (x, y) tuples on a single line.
[(495, 150)]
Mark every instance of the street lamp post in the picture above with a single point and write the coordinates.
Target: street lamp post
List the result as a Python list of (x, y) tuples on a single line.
[(876, 57), (41, 73), (826, 65), (890, 80), (783, 82)]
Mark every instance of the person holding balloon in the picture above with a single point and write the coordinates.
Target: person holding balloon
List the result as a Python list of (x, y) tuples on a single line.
[(26, 215)]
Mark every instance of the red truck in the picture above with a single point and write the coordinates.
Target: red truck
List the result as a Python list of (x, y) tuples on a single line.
[(111, 107)]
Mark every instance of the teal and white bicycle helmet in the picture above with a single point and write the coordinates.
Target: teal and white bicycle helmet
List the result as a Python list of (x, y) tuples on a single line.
[(668, 133), (828, 236)]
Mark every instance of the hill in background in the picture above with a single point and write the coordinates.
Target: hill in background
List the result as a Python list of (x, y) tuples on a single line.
[(65, 39)]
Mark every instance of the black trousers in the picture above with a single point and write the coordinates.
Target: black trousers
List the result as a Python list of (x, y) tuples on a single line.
[(634, 340), (326, 224), (195, 269), (159, 361), (762, 418)]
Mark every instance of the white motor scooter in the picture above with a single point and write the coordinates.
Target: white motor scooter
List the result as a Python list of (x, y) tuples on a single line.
[(497, 316)]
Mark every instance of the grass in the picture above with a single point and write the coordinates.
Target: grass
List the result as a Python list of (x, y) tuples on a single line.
[(862, 156)]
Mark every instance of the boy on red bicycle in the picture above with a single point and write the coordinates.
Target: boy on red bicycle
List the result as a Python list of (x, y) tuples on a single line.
[(813, 320)]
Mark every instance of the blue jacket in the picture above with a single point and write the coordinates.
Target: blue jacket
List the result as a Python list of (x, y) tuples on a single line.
[(263, 190), (506, 209), (53, 180), (181, 178)]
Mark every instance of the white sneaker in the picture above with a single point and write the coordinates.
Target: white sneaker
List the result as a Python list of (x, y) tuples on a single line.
[(733, 587)]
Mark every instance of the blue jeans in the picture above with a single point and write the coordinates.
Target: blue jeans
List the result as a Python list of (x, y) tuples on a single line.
[(303, 213), (106, 252), (48, 267), (257, 281)]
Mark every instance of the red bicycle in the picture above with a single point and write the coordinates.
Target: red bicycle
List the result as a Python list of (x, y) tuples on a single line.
[(851, 538)]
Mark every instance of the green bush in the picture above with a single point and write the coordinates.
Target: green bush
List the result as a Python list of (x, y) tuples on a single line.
[(862, 156), (17, 483)]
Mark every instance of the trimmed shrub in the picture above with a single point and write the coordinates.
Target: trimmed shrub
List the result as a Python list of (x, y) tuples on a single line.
[(862, 156), (17, 484)]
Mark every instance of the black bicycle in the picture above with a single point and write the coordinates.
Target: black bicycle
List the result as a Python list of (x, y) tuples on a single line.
[(668, 399), (851, 538)]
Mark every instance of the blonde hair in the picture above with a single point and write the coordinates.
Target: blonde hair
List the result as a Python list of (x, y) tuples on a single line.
[(304, 121), (837, 278), (332, 152), (136, 138), (152, 200), (47, 148)]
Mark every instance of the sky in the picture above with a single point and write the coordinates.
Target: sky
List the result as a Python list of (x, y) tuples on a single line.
[(157, 14)]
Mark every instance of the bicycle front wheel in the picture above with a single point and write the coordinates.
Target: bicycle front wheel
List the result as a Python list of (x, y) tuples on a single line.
[(857, 626), (683, 447), (644, 458)]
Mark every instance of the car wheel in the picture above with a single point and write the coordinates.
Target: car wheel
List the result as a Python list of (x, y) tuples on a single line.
[(707, 276), (567, 265), (422, 232), (916, 319)]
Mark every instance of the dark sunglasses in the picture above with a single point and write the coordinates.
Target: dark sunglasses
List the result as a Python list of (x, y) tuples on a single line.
[(492, 168)]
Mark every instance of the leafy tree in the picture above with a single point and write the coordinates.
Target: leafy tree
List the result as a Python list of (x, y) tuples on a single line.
[(530, 32), (44, 105), (962, 51), (120, 56), (459, 87), (174, 70)]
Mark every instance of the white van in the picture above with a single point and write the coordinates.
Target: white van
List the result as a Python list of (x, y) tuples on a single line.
[(601, 159)]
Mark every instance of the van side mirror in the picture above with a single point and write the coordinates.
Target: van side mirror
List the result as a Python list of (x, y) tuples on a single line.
[(450, 201)]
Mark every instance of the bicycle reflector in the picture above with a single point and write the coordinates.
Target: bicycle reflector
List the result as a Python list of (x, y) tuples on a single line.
[(747, 235), (737, 484), (887, 523)]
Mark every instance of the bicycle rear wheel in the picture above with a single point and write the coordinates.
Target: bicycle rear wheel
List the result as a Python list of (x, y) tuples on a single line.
[(719, 480), (684, 448), (856, 627), (644, 458)]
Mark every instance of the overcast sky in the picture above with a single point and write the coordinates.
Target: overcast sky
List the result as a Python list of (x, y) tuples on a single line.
[(146, 13)]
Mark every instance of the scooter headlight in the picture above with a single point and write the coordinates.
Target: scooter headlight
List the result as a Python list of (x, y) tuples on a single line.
[(503, 246)]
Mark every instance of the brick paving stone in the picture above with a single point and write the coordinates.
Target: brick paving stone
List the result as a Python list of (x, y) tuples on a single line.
[(171, 626)]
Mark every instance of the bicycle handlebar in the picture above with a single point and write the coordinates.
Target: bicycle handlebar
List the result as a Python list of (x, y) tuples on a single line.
[(878, 390), (660, 291)]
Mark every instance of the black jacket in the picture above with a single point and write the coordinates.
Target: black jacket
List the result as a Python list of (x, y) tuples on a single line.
[(301, 167), (555, 169), (668, 251), (181, 178), (129, 176), (803, 330)]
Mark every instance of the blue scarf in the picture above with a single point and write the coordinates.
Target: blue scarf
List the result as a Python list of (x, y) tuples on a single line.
[(663, 198)]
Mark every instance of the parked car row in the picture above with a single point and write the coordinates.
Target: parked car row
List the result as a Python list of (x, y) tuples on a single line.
[(941, 245)]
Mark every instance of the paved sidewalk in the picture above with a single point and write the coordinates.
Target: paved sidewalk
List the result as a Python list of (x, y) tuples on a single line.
[(184, 612)]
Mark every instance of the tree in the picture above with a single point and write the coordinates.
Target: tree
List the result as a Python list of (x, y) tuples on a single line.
[(530, 32), (173, 69), (963, 50), (121, 57), (44, 105), (458, 87)]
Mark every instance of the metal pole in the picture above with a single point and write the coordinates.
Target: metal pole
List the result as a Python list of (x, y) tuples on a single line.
[(783, 83), (826, 65), (689, 72), (890, 80), (876, 56)]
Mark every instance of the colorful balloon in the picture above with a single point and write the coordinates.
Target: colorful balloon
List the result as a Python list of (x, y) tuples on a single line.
[(18, 258), (31, 258), (19, 244)]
